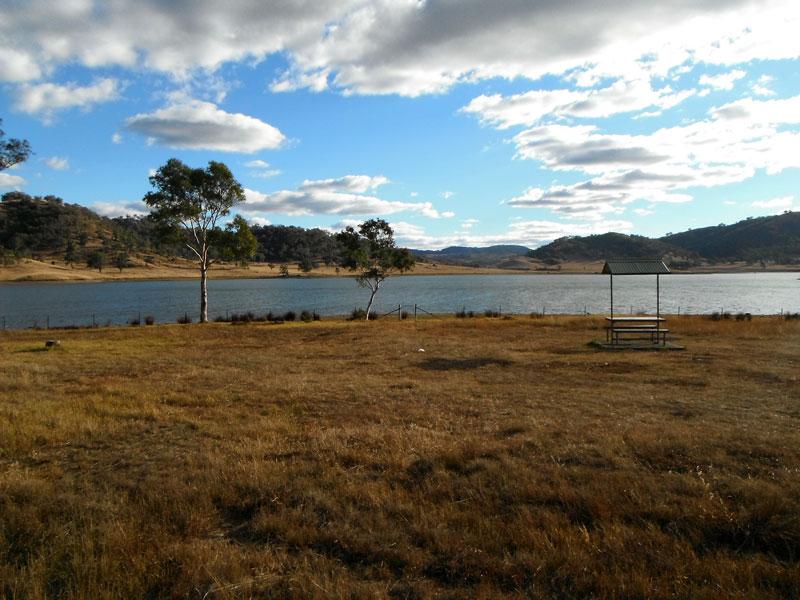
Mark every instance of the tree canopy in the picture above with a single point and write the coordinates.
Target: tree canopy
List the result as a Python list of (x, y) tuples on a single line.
[(12, 151), (372, 254)]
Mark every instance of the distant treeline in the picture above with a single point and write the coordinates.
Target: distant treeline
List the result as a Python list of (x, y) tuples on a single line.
[(46, 226)]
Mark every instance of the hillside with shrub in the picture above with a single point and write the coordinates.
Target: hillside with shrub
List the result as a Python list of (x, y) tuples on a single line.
[(775, 238), (47, 228)]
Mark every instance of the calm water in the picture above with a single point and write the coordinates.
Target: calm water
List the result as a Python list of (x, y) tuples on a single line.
[(29, 304)]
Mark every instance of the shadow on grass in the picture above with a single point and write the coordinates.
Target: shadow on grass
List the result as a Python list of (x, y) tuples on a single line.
[(29, 350), (462, 364)]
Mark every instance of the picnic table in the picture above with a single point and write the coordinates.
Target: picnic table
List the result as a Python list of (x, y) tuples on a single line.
[(636, 326)]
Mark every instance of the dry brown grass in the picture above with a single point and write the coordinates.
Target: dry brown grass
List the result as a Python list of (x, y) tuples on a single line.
[(335, 459), (57, 270)]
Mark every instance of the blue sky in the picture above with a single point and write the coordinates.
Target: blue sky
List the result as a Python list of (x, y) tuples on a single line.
[(468, 123)]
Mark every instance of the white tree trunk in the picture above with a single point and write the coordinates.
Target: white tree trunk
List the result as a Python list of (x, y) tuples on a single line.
[(203, 294), (372, 299)]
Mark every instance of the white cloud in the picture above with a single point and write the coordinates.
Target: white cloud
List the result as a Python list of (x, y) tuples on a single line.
[(262, 169), (643, 212), (739, 139), (198, 125), (761, 86), (524, 233), (357, 184), (399, 46), (45, 99), (266, 174), (116, 138), (531, 107), (413, 48), (58, 163), (348, 195), (777, 205), (136, 208), (10, 181), (39, 35), (261, 221), (447, 194), (257, 164), (723, 81)]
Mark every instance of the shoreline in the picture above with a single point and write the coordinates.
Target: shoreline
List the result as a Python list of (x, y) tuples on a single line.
[(33, 271)]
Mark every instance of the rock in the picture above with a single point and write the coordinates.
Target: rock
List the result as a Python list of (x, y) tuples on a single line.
[(52, 344)]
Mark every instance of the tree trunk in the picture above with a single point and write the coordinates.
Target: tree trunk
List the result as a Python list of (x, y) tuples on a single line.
[(371, 300), (203, 294)]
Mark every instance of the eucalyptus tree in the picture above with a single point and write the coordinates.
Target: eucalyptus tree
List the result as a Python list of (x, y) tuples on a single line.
[(189, 205), (372, 254), (12, 151)]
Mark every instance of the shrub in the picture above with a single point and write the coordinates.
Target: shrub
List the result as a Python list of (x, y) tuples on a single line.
[(404, 314), (358, 314), (289, 315), (135, 322), (185, 319), (491, 313), (791, 316), (306, 316), (149, 320), (461, 314), (744, 317)]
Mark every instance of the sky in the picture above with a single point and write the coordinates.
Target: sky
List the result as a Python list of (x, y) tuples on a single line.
[(461, 122)]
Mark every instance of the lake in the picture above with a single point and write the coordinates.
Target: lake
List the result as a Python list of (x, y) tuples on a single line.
[(32, 304)]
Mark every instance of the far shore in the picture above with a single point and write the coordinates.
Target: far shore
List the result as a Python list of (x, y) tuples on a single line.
[(29, 270)]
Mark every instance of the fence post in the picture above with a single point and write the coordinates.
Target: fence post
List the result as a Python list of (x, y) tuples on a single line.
[(140, 318), (415, 315)]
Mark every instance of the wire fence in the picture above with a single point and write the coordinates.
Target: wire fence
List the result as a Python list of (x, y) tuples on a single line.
[(401, 312)]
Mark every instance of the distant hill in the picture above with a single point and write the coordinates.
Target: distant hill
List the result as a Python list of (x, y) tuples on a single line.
[(770, 239), (490, 256), (607, 245), (775, 238), (45, 227)]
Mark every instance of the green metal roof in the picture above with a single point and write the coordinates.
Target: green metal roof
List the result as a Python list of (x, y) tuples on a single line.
[(635, 267)]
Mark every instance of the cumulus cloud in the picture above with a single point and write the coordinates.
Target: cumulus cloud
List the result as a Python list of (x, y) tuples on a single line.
[(761, 86), (198, 125), (348, 195), (737, 140), (413, 48), (723, 81), (257, 164), (116, 138), (531, 107), (58, 163), (135, 208), (776, 205), (403, 47), (524, 233), (261, 169), (39, 35), (10, 181), (46, 99)]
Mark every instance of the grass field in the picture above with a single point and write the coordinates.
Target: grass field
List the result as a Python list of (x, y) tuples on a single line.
[(339, 460)]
